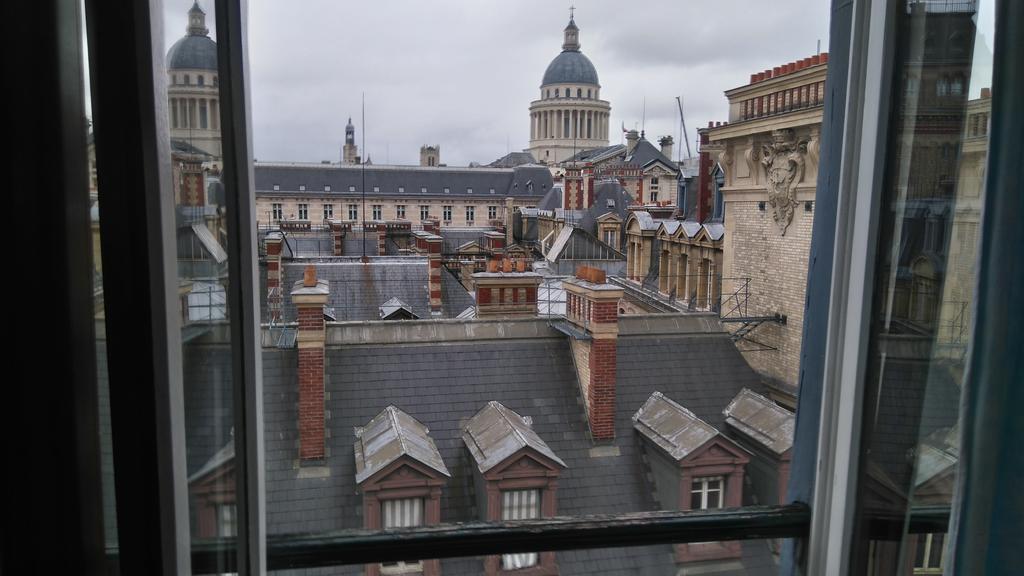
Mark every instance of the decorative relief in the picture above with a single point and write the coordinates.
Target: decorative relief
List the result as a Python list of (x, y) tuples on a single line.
[(783, 161), (750, 156)]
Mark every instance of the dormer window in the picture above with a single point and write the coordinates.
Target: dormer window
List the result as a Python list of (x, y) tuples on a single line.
[(519, 475), (400, 474), (700, 468)]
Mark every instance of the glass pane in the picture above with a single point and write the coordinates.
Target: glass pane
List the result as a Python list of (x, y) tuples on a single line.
[(413, 349), (200, 214), (924, 280)]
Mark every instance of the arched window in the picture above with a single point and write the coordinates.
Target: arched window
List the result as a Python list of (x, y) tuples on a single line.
[(589, 90), (200, 80), (556, 92), (579, 92)]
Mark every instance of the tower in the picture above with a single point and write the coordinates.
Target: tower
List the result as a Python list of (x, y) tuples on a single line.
[(193, 97), (569, 116), (430, 155), (350, 152)]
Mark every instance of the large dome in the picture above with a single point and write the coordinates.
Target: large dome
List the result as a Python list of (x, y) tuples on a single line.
[(193, 52), (570, 67)]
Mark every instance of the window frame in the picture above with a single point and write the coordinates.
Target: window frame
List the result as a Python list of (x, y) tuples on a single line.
[(845, 324)]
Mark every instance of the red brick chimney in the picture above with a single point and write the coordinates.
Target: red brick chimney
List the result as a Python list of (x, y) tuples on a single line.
[(430, 246), (382, 237), (507, 289), (593, 305), (338, 236), (273, 245), (309, 296)]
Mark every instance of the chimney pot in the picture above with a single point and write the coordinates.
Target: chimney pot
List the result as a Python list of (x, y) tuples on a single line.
[(986, 92), (776, 71), (816, 59), (753, 78), (824, 57), (309, 276)]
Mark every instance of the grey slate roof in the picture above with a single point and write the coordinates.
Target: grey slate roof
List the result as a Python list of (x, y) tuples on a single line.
[(442, 385), (644, 154), (521, 181), (193, 52), (513, 159), (389, 436), (673, 428), (359, 290), (394, 305), (762, 420), (570, 67), (495, 433)]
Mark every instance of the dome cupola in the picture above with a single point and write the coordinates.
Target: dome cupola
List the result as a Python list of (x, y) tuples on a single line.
[(571, 66)]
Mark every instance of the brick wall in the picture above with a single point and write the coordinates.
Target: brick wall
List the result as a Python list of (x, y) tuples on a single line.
[(311, 386), (777, 267)]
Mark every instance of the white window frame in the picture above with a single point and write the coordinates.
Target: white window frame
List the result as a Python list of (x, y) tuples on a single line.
[(470, 213), (353, 211), (400, 211), (303, 211), (492, 212), (401, 567), (424, 211), (446, 213), (376, 210), (277, 211), (328, 211), (522, 559), (706, 489)]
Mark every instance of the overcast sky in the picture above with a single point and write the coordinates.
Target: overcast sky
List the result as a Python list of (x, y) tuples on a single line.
[(462, 73)]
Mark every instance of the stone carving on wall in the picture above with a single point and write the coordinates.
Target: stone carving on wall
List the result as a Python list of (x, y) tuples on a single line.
[(783, 160), (750, 156)]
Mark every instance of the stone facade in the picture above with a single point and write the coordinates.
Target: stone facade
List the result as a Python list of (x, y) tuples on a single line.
[(769, 154)]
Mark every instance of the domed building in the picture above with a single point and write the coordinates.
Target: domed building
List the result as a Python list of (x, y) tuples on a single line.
[(193, 97), (570, 115)]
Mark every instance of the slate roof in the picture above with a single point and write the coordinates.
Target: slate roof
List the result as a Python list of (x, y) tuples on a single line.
[(643, 154), (521, 181), (570, 67), (496, 432), (193, 52), (389, 436), (357, 290), (445, 384), (513, 159), (762, 420), (672, 427)]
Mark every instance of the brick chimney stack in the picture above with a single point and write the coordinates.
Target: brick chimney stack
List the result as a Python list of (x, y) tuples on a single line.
[(273, 244), (338, 231), (430, 245), (309, 296), (507, 289), (593, 305), (382, 238)]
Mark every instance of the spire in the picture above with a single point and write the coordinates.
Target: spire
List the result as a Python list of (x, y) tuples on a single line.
[(572, 34), (350, 132), (197, 21)]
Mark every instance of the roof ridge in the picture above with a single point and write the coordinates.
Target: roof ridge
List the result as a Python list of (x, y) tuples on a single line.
[(391, 410), (515, 431)]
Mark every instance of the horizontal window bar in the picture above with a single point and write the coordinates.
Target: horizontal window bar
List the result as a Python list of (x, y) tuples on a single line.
[(483, 538)]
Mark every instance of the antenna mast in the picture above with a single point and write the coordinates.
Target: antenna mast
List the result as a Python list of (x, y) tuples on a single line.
[(684, 135)]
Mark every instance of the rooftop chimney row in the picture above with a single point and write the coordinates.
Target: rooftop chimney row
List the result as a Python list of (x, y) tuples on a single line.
[(789, 68)]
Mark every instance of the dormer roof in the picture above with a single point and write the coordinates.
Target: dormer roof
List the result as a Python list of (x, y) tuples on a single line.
[(497, 432), (389, 436)]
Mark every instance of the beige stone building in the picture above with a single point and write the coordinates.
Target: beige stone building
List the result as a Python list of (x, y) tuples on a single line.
[(768, 151), (569, 116), (309, 194)]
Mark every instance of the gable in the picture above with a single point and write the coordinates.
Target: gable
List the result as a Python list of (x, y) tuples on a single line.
[(405, 471), (718, 449), (524, 463)]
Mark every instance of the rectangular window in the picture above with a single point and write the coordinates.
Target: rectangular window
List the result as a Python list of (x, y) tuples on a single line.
[(303, 211), (609, 238), (446, 214), (327, 188), (447, 190), (351, 188), (928, 554), (706, 493), (277, 212), (401, 513), (376, 188), (469, 190), (470, 213), (277, 187), (226, 524), (423, 189), (353, 211), (376, 211), (424, 212), (492, 191), (401, 189), (400, 211), (302, 187), (328, 211), (492, 212), (519, 505)]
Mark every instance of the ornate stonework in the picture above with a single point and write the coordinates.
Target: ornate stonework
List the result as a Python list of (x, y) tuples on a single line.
[(783, 161)]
